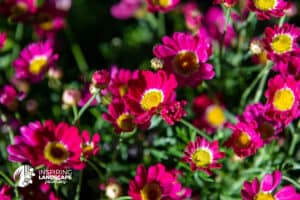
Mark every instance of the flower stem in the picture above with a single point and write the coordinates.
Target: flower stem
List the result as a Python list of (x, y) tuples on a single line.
[(295, 139), (260, 89), (282, 20), (6, 178), (82, 110), (191, 126), (92, 165), (295, 183), (161, 25), (124, 198), (78, 188)]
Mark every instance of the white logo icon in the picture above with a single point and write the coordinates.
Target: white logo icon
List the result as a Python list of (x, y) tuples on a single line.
[(23, 175)]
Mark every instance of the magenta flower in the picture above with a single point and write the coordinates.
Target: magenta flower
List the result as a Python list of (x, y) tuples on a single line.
[(283, 96), (245, 140), (34, 61), (125, 9), (157, 183), (19, 10), (161, 5), (173, 112), (54, 145), (89, 145), (3, 38), (186, 56), (265, 190), (265, 9), (203, 155), (192, 15)]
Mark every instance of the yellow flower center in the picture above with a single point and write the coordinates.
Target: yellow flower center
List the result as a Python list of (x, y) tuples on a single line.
[(37, 64), (162, 3), (185, 63), (87, 147), (215, 116), (264, 196), (19, 9), (151, 191), (202, 158), (125, 122), (123, 90), (47, 25), (263, 58), (56, 152), (284, 99), (265, 5), (282, 43), (266, 130), (151, 99), (243, 140)]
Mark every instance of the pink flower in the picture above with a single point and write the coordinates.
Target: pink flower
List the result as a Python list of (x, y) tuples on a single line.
[(121, 118), (245, 140), (281, 42), (6, 192), (161, 5), (268, 129), (203, 155), (34, 61), (265, 190), (89, 145), (18, 10), (148, 93), (283, 96), (157, 183), (210, 113), (227, 3), (214, 21), (265, 9), (54, 145), (173, 112), (186, 56), (3, 38), (125, 9), (192, 15), (101, 78)]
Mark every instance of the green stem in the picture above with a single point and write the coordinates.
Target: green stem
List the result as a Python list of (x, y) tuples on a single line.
[(295, 139), (295, 183), (124, 198), (82, 110), (161, 27), (92, 165), (191, 126), (7, 179), (261, 85), (75, 111), (282, 20), (18, 37), (252, 85), (78, 188), (11, 135)]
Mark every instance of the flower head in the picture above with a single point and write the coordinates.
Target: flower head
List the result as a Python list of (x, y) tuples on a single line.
[(156, 183), (245, 140), (265, 9), (283, 96), (54, 145), (125, 9), (203, 155), (89, 145), (186, 56), (173, 112), (227, 3), (265, 190), (3, 38), (192, 15), (34, 61), (18, 10), (281, 42), (101, 78), (161, 5)]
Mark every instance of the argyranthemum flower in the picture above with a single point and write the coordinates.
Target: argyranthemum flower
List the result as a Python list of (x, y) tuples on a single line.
[(173, 112), (89, 145), (19, 10), (2, 39), (280, 42), (265, 190), (9, 97), (156, 183), (210, 114), (283, 96), (34, 61), (192, 15), (245, 140), (54, 145), (148, 93), (161, 5), (255, 113), (227, 3), (186, 56), (203, 155), (265, 9), (121, 118), (125, 9)]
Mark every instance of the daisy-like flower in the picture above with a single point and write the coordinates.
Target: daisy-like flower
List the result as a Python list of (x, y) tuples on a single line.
[(192, 15), (265, 9), (173, 112), (265, 190), (283, 96), (186, 56), (280, 42), (161, 5), (34, 61), (203, 155), (245, 140), (54, 145), (227, 3), (47, 28), (121, 118), (89, 145), (9, 97), (19, 10), (210, 114), (268, 129), (3, 38), (156, 183), (148, 93), (125, 9)]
